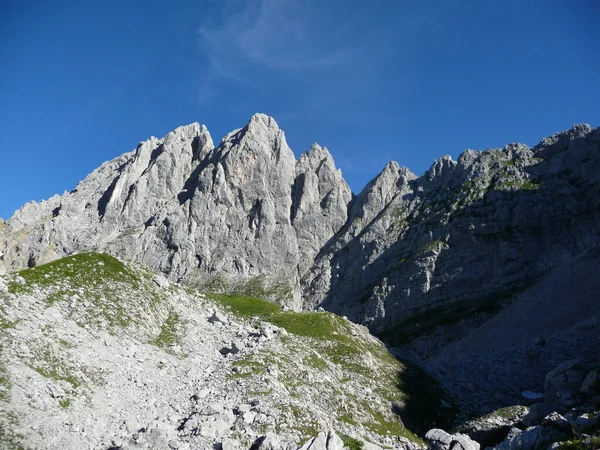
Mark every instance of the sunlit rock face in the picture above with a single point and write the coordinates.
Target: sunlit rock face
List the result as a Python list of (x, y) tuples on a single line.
[(244, 210)]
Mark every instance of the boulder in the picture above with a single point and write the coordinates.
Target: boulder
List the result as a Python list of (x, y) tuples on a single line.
[(218, 317), (334, 442), (563, 383), (533, 438), (329, 441), (587, 422), (269, 442), (591, 383), (537, 412), (493, 428), (161, 281), (557, 421), (441, 440)]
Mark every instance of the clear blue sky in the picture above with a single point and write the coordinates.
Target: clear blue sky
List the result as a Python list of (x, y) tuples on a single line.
[(84, 81)]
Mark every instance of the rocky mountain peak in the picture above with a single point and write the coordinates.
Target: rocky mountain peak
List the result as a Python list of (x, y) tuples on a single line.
[(316, 153), (261, 136), (259, 120), (380, 191), (441, 169), (563, 137)]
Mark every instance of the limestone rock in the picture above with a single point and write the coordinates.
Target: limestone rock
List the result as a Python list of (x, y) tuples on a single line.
[(411, 244), (440, 440), (590, 385), (195, 211), (320, 201), (493, 428), (533, 438), (562, 383)]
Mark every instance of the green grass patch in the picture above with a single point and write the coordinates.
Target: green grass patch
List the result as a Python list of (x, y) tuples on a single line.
[(249, 368), (5, 384), (80, 270), (593, 443), (65, 403), (246, 306), (5, 324), (314, 361), (317, 325), (259, 286), (58, 373), (433, 246), (171, 331), (50, 366), (384, 426), (114, 294), (529, 186), (351, 443)]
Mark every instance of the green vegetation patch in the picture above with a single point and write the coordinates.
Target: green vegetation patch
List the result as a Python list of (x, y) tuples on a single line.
[(52, 367), (80, 270), (259, 286), (171, 331), (529, 185), (351, 443), (434, 246), (65, 403), (246, 306), (5, 384), (315, 361), (592, 442), (249, 368), (6, 324), (315, 325), (100, 289)]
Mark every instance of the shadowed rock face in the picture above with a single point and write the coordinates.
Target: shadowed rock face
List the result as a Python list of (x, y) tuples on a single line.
[(459, 241), (463, 237)]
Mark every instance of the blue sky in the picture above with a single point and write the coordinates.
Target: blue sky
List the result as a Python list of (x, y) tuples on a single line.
[(83, 82)]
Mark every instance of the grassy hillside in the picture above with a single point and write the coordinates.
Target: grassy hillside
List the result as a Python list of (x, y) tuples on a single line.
[(305, 370)]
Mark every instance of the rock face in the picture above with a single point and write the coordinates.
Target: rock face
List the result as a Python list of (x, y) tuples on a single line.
[(465, 235), (245, 210), (440, 440)]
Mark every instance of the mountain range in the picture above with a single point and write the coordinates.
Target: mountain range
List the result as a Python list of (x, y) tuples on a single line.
[(482, 270)]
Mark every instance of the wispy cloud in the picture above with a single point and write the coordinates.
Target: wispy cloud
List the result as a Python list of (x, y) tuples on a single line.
[(280, 35)]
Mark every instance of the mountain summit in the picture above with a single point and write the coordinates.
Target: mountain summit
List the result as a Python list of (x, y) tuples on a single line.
[(235, 212)]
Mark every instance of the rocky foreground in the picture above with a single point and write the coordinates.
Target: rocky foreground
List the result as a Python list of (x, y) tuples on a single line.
[(100, 354)]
